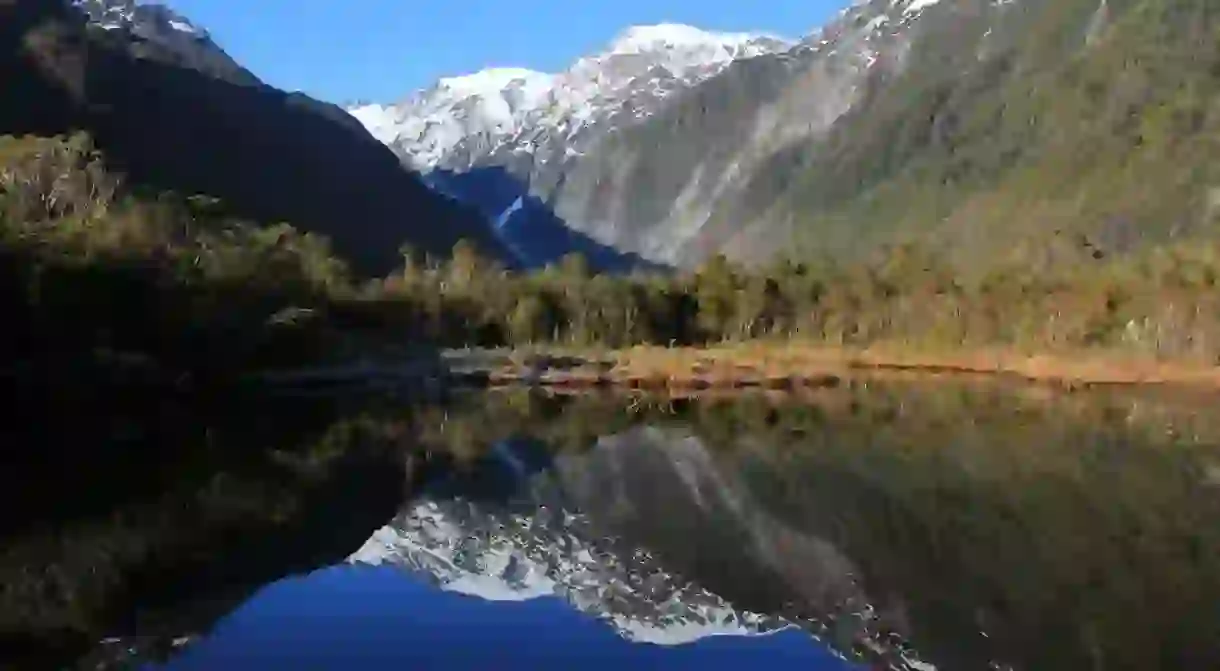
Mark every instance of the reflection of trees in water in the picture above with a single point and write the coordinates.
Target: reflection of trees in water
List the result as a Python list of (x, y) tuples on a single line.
[(666, 491), (1102, 558), (1073, 529), (183, 519), (657, 490), (1042, 529)]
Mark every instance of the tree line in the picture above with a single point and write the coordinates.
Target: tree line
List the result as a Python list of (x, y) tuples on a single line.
[(96, 268), (1162, 303)]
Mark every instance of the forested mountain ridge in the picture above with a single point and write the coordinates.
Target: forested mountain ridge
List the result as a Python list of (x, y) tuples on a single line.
[(170, 122), (1069, 130), (1024, 132)]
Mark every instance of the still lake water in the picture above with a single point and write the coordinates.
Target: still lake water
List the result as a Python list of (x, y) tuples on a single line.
[(867, 527)]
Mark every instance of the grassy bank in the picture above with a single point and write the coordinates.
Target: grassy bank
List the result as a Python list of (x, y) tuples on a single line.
[(793, 364)]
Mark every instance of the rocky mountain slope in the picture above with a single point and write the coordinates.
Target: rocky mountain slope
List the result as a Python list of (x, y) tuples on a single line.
[(663, 187), (995, 130), (169, 109)]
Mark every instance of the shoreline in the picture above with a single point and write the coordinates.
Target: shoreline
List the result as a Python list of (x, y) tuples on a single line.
[(796, 366), (779, 367)]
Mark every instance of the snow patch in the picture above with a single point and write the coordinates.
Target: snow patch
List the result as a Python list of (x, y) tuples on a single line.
[(913, 6), (493, 81), (381, 121), (506, 215), (183, 27), (876, 23), (641, 39)]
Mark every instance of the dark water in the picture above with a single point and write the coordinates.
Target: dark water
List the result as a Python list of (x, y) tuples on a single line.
[(869, 526)]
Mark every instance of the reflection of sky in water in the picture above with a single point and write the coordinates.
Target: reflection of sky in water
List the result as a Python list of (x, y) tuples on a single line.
[(370, 617)]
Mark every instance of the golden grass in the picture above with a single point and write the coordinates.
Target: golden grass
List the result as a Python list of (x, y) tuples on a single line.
[(787, 365)]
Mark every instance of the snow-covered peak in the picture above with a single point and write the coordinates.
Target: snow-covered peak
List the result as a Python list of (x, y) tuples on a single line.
[(381, 121), (489, 103), (687, 54), (677, 36), (462, 120), (493, 81)]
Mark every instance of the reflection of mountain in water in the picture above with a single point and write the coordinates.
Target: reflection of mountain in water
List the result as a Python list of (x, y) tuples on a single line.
[(503, 556), (595, 529)]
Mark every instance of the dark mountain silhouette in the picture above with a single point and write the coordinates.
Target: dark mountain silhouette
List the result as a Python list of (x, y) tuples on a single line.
[(526, 224), (270, 156), (158, 32)]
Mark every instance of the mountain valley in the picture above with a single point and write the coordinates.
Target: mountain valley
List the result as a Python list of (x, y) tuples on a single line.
[(890, 344), (899, 121)]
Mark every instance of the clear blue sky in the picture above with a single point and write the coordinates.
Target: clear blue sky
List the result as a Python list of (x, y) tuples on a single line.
[(382, 50)]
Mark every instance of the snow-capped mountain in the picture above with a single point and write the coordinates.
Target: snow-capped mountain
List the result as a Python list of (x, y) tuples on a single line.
[(464, 121), (672, 188), (647, 146), (149, 27)]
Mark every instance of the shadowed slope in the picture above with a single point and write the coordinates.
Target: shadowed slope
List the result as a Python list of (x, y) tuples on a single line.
[(268, 155)]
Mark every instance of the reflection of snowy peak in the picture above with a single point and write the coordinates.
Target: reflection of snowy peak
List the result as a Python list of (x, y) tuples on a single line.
[(463, 121), (649, 531), (503, 556)]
